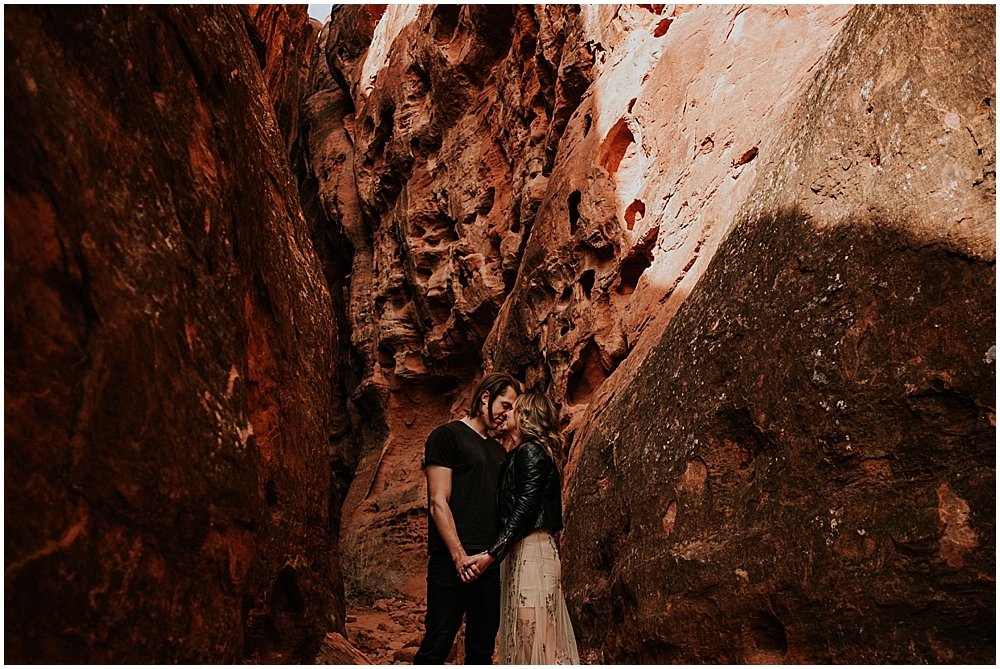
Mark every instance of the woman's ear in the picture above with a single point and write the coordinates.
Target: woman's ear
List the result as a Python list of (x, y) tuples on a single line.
[(484, 399)]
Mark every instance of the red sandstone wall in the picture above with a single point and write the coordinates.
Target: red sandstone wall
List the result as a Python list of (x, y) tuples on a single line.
[(802, 469), (660, 215), (284, 40), (750, 251), (169, 350)]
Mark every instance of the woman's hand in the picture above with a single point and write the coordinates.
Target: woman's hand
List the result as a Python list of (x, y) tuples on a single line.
[(474, 566)]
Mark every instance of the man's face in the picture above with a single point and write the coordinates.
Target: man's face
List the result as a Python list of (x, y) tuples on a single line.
[(501, 404)]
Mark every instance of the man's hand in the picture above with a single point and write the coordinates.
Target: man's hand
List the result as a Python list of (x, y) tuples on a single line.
[(459, 558), (473, 567)]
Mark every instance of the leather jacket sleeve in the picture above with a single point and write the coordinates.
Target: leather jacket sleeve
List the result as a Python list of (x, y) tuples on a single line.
[(531, 466)]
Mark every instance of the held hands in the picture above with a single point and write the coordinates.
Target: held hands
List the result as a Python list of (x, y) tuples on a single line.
[(474, 566)]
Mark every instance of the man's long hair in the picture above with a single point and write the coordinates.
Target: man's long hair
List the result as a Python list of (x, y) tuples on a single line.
[(494, 384), (538, 421)]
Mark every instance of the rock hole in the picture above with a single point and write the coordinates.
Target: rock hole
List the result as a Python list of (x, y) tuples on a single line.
[(587, 122), (604, 254), (574, 211), (270, 493), (563, 330), (636, 210), (586, 374), (746, 157), (870, 109), (768, 633), (653, 9), (740, 434), (631, 104), (662, 27), (616, 145), (486, 204), (386, 356), (635, 264), (587, 282), (566, 295), (444, 21), (690, 263), (420, 79), (383, 133)]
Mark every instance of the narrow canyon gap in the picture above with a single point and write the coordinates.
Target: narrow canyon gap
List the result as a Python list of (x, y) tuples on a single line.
[(749, 251)]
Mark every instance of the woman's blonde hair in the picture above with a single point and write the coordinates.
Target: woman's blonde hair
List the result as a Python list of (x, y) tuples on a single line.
[(538, 421)]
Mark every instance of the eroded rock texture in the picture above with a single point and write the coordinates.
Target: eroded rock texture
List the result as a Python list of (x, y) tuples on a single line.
[(750, 253), (169, 351), (430, 134), (803, 467), (283, 37)]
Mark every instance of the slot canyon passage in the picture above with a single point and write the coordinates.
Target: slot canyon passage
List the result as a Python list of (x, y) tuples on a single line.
[(251, 261)]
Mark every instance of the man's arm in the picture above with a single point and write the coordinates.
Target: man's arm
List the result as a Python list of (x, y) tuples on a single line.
[(439, 491)]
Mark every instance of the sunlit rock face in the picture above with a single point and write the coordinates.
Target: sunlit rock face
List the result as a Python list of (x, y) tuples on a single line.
[(802, 469), (169, 350), (663, 148)]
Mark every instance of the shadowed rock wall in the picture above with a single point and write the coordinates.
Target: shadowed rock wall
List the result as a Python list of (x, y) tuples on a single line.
[(803, 467), (169, 355), (283, 37)]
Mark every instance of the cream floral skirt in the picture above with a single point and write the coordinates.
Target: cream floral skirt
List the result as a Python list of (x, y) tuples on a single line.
[(534, 623)]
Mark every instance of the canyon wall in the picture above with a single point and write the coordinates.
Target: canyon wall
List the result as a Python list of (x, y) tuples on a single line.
[(170, 352), (802, 469), (749, 251)]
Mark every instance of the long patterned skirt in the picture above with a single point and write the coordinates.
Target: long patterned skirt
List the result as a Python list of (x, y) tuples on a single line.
[(534, 624)]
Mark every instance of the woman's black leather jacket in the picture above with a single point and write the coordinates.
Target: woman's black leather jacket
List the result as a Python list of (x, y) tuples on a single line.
[(528, 496)]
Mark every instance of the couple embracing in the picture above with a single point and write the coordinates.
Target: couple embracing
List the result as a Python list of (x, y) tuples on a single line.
[(493, 514)]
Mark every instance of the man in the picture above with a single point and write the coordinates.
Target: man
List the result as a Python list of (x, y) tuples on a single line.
[(462, 465)]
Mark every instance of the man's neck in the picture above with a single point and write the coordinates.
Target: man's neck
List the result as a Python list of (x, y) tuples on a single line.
[(476, 424)]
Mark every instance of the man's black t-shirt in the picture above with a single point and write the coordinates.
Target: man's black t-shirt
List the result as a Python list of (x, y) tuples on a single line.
[(475, 473)]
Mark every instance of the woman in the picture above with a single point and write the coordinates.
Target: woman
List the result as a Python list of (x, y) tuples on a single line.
[(534, 624)]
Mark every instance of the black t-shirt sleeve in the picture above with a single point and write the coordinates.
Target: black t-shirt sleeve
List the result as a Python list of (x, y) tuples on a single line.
[(440, 449)]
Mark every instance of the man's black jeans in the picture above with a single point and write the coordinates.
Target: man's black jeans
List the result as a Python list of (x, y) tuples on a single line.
[(447, 600)]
